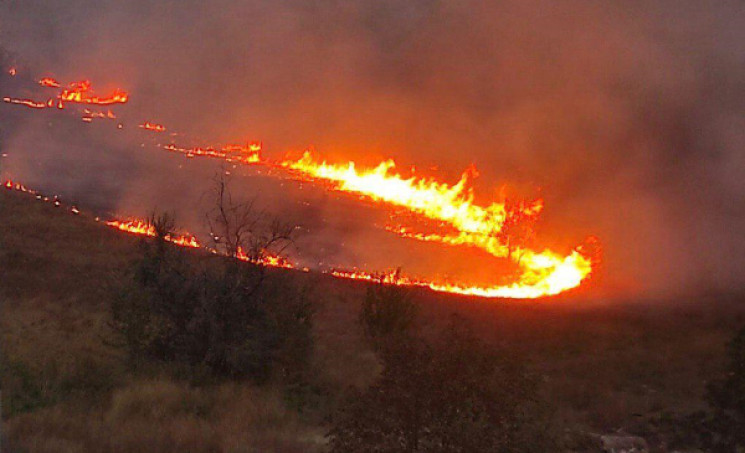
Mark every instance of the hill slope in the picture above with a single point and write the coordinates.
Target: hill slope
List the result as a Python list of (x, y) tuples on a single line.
[(606, 365)]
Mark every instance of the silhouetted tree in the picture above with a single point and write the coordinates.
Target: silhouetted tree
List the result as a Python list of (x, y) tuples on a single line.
[(220, 313), (517, 231)]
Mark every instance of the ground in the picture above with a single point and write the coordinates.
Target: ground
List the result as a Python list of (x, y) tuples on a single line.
[(607, 365)]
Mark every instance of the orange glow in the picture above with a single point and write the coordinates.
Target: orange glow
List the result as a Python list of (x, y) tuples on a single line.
[(153, 126), (81, 93), (49, 82), (502, 228), (141, 228), (245, 154), (28, 103), (266, 258), (542, 273)]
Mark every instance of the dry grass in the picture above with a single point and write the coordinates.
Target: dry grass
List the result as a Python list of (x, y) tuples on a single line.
[(163, 416), (606, 366)]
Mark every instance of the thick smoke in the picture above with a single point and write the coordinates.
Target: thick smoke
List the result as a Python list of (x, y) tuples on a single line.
[(628, 115)]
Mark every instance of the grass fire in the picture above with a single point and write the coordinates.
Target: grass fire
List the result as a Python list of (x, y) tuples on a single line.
[(389, 226)]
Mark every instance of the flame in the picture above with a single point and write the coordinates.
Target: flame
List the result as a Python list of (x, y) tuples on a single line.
[(266, 258), (153, 126), (27, 102), (107, 115), (49, 82), (81, 93), (541, 273), (459, 220), (246, 154), (142, 228), (12, 72)]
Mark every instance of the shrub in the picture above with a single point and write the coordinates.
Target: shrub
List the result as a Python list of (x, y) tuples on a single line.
[(455, 394), (212, 312), (388, 312)]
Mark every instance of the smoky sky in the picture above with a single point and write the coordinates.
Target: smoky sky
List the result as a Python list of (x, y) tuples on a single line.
[(627, 117)]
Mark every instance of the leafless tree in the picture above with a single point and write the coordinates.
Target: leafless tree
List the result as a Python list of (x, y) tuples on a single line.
[(240, 229)]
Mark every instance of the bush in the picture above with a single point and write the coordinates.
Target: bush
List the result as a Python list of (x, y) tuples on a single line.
[(388, 313), (216, 313), (455, 394)]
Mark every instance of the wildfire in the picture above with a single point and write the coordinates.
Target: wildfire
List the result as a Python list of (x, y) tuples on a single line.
[(265, 258), (49, 82), (143, 228), (485, 227), (153, 126), (82, 93), (146, 229), (27, 102), (503, 229), (246, 154), (12, 72)]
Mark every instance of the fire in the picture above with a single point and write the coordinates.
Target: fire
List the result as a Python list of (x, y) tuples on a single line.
[(542, 273), (12, 72), (246, 154), (153, 126), (503, 229), (49, 82), (82, 93), (266, 258), (27, 102), (141, 228)]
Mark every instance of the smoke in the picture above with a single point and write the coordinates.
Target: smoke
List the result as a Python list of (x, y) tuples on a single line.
[(628, 115)]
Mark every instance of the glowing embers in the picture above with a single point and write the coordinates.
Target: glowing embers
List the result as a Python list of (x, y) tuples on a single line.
[(155, 127), (142, 228), (14, 185), (49, 82), (76, 92), (82, 93), (246, 154)]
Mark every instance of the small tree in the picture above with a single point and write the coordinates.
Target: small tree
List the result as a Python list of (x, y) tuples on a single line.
[(212, 312), (388, 311), (453, 395), (517, 231)]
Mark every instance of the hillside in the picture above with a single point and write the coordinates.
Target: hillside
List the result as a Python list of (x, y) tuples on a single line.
[(606, 365)]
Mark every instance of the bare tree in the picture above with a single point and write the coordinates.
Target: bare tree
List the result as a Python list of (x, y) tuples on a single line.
[(517, 231), (240, 229)]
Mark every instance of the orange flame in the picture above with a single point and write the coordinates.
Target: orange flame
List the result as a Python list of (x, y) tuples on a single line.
[(141, 228), (49, 82), (153, 126), (248, 154), (28, 102), (81, 93), (542, 273)]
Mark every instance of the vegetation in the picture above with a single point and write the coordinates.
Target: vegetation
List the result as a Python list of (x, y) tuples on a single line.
[(388, 313), (455, 394), (224, 315), (67, 387)]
